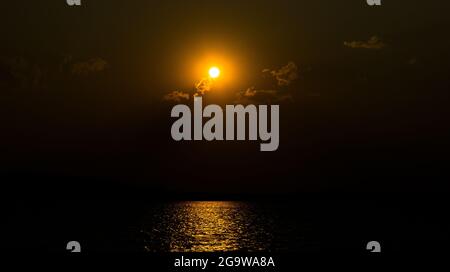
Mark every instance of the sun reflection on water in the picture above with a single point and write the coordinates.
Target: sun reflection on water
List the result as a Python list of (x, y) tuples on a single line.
[(209, 226)]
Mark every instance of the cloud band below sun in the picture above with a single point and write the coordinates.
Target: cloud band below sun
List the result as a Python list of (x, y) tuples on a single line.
[(283, 76)]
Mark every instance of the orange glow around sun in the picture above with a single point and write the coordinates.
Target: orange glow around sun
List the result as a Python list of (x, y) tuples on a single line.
[(223, 66), (215, 66)]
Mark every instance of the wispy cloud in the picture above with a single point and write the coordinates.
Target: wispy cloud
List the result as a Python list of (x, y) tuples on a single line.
[(284, 75), (203, 86), (255, 96), (374, 43), (93, 65), (21, 72), (176, 96)]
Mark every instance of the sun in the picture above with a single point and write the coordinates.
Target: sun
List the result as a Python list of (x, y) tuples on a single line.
[(214, 72)]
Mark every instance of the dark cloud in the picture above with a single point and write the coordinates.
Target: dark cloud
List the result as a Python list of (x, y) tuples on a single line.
[(91, 66), (374, 43), (17, 70), (412, 61), (285, 75), (176, 96), (66, 64)]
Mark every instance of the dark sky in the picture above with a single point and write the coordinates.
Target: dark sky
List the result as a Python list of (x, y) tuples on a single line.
[(82, 94)]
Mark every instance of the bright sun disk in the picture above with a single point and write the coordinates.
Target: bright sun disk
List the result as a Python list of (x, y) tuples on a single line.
[(214, 72)]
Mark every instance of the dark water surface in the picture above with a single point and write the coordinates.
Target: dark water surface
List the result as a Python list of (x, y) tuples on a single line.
[(296, 225), (288, 226)]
